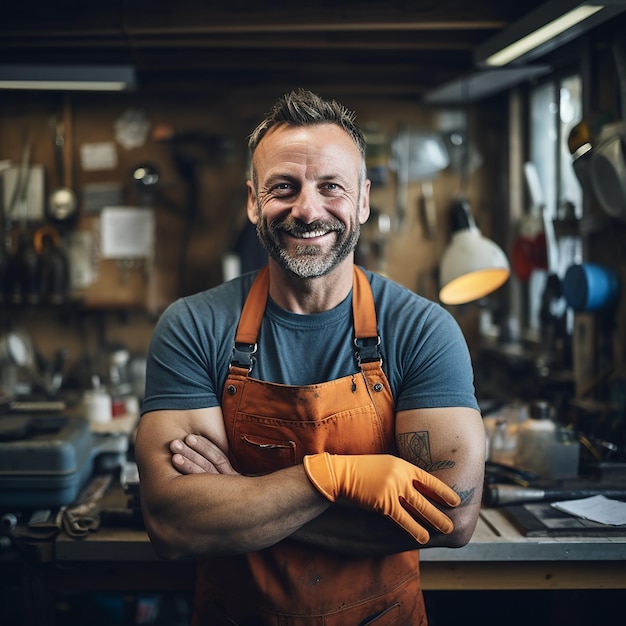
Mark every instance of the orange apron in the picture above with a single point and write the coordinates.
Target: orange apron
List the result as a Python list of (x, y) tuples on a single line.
[(271, 426)]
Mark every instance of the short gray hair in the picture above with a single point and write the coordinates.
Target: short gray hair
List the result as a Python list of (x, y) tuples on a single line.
[(304, 108)]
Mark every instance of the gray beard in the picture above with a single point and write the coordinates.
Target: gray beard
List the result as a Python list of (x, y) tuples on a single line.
[(309, 261)]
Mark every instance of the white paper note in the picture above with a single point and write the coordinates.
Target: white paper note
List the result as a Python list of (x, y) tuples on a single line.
[(98, 156), (127, 232), (596, 509)]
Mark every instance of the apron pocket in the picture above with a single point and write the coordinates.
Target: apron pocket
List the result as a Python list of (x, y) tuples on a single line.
[(385, 618), (262, 454)]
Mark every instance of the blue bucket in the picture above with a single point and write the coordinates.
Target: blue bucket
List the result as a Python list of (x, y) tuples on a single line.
[(591, 287)]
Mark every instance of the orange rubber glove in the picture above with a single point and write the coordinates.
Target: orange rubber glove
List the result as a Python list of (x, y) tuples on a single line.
[(384, 484)]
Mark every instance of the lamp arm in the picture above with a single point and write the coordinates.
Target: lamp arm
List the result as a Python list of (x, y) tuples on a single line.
[(461, 217)]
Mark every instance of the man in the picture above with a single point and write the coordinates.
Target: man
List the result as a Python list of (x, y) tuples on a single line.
[(307, 428)]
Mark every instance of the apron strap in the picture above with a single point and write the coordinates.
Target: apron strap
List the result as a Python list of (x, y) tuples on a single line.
[(242, 358), (363, 310), (366, 338), (254, 308)]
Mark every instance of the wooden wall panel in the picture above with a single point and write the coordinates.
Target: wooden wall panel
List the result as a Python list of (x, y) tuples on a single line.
[(410, 257)]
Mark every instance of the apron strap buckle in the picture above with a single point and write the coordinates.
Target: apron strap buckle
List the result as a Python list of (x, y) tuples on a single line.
[(242, 356), (367, 350)]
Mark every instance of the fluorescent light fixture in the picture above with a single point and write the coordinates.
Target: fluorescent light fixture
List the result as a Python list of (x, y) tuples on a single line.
[(541, 35), (472, 266), (547, 27), (67, 77)]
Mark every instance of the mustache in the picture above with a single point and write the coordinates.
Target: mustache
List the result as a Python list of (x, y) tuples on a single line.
[(298, 228)]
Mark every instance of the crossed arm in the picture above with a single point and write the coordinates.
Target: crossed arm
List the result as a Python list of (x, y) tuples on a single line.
[(195, 503)]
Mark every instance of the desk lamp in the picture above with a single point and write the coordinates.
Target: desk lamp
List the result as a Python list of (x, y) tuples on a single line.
[(472, 266)]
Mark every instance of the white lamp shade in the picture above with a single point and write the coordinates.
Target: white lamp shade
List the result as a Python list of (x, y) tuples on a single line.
[(472, 267)]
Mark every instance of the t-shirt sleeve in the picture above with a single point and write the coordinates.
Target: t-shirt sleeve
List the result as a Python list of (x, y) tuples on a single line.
[(437, 370), (178, 368)]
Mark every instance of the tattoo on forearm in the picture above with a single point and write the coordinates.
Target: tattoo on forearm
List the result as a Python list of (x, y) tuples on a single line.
[(466, 496), (415, 447)]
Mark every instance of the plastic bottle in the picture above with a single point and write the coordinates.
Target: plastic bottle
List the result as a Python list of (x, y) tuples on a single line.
[(501, 430), (536, 438), (503, 443)]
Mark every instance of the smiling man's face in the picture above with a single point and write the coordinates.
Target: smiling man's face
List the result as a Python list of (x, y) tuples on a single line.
[(310, 197)]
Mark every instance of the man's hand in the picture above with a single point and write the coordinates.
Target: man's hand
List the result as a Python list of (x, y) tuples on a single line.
[(197, 455), (384, 484)]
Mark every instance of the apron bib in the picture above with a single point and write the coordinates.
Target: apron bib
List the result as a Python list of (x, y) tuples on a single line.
[(272, 426)]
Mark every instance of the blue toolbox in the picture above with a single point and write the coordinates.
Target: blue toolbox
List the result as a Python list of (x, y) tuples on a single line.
[(45, 460)]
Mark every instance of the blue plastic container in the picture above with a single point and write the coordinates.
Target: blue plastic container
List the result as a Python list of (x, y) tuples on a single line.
[(591, 287)]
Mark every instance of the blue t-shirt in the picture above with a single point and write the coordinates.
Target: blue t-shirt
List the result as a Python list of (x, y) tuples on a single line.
[(425, 356)]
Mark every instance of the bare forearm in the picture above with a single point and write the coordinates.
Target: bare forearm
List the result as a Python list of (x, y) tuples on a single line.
[(289, 507), (351, 530), (354, 531), (240, 514)]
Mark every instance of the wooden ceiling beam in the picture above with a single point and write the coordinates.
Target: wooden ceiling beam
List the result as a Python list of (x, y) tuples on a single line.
[(356, 46), (447, 42), (163, 17)]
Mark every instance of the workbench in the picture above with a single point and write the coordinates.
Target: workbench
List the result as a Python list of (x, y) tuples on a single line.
[(498, 557)]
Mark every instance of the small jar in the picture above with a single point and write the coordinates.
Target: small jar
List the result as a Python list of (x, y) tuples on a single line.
[(536, 438), (98, 406)]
